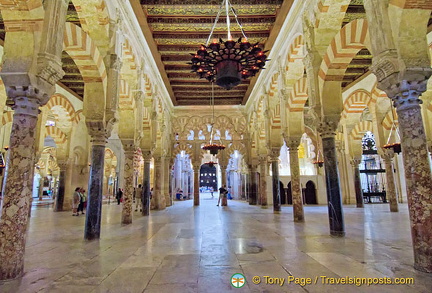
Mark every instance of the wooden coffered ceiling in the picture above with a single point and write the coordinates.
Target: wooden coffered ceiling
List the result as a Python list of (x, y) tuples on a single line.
[(179, 27)]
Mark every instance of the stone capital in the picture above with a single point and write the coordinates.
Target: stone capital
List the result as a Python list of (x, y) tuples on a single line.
[(112, 61), (328, 127), (355, 162), (97, 132), (293, 143), (274, 154), (147, 155), (128, 146), (386, 154)]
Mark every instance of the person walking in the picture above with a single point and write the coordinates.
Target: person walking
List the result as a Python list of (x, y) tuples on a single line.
[(76, 201), (222, 194), (138, 198), (119, 195), (83, 200)]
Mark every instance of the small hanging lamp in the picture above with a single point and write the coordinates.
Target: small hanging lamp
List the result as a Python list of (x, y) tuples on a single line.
[(396, 146)]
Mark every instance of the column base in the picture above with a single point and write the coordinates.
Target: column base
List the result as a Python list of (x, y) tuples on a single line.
[(12, 274), (420, 268), (337, 233), (264, 207), (360, 205), (276, 211)]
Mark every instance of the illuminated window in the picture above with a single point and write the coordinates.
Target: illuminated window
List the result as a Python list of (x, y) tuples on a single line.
[(50, 123)]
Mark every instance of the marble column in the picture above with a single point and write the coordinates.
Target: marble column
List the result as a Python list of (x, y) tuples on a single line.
[(224, 175), (58, 205), (129, 153), (95, 186), (387, 156), (263, 182), (18, 185), (196, 170), (253, 186), (167, 178), (297, 198), (418, 177), (357, 183), (158, 195), (146, 184), (327, 131), (274, 159)]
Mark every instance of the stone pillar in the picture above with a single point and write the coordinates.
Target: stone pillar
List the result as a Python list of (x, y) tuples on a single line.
[(167, 178), (95, 185), (58, 205), (405, 97), (129, 153), (387, 156), (224, 174), (274, 159), (158, 195), (146, 184), (18, 183), (196, 170), (253, 186), (297, 198), (263, 181), (357, 183), (327, 131)]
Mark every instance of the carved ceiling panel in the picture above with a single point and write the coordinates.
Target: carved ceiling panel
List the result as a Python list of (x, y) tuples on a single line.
[(179, 27)]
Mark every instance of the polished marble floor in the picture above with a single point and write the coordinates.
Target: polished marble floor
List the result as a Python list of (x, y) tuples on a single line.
[(198, 249)]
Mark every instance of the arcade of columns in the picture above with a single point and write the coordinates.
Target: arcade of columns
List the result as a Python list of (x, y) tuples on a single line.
[(127, 110)]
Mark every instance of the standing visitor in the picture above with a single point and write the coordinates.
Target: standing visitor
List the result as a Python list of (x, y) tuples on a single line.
[(222, 194), (76, 201), (119, 195), (138, 198)]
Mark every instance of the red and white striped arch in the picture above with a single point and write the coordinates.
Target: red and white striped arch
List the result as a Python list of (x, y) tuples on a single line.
[(85, 54), (126, 100), (298, 96), (58, 100), (389, 118), (58, 136), (357, 102), (351, 38), (360, 129)]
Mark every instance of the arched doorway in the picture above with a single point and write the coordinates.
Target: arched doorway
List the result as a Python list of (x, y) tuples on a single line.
[(289, 193), (310, 193), (282, 193), (208, 178)]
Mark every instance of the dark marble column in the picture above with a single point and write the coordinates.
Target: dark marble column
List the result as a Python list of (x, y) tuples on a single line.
[(253, 186), (129, 152), (263, 181), (296, 191), (146, 184), (58, 206), (418, 176), (327, 132), (387, 156), (357, 183), (274, 158), (95, 186), (196, 170), (18, 185)]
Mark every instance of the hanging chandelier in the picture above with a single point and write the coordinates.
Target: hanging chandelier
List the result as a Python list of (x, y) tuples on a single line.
[(211, 163), (319, 159), (227, 63), (213, 147), (396, 146)]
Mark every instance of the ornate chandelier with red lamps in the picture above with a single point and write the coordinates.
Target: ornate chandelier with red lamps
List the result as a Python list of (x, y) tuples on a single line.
[(227, 63)]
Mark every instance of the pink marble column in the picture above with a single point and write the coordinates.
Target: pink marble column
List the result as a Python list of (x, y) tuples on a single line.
[(296, 191), (167, 178), (196, 170), (390, 181), (405, 96), (357, 183), (18, 185), (129, 152), (158, 195), (263, 181)]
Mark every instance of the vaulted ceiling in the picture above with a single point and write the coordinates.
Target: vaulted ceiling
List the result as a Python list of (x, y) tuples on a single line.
[(179, 27)]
